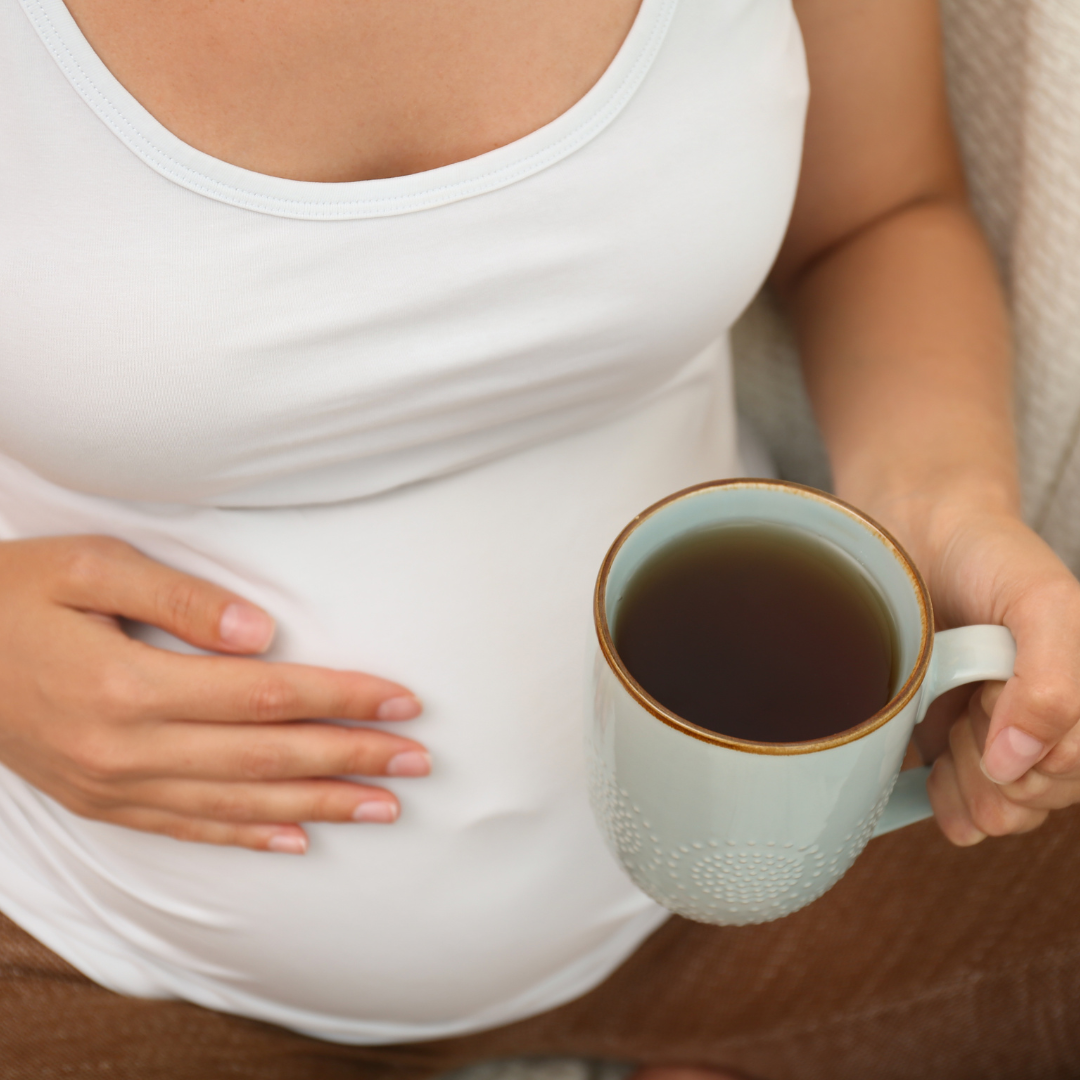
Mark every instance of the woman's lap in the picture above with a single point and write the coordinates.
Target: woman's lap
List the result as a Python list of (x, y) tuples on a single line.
[(925, 961)]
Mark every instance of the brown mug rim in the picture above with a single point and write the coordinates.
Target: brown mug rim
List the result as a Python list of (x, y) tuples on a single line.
[(896, 704)]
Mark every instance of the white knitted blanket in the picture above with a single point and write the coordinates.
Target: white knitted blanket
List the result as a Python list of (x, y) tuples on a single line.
[(1014, 74)]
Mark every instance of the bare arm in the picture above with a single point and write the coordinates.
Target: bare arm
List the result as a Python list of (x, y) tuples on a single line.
[(905, 346), (900, 317)]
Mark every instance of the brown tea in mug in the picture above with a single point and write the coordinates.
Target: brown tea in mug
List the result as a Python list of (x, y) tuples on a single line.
[(758, 632)]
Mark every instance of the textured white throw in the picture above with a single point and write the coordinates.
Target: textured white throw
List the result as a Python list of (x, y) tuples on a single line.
[(1014, 73)]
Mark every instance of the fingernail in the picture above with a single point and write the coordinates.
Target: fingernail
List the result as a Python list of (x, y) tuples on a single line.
[(970, 837), (379, 811), (967, 835), (245, 627), (398, 708), (288, 844), (409, 763), (1010, 755)]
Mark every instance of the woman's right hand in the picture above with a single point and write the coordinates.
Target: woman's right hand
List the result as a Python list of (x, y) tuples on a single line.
[(216, 749)]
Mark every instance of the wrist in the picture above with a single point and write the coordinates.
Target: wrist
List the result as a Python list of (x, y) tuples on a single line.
[(925, 518)]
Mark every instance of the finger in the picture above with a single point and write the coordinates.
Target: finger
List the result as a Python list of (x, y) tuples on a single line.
[(1063, 761), (1048, 785), (1054, 783), (949, 807), (1037, 791), (289, 751), (280, 838), (1041, 702), (283, 801), (234, 689), (990, 810), (107, 576)]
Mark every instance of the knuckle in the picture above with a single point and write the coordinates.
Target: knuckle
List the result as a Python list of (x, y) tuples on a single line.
[(179, 603), (83, 567), (122, 693), (342, 699), (1063, 760), (366, 758), (273, 698), (329, 805), (1058, 797), (263, 761), (84, 563), (1032, 786), (996, 816), (228, 806), (1054, 701), (90, 759), (99, 762)]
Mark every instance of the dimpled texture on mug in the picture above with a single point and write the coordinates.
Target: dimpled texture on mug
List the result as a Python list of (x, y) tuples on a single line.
[(715, 879)]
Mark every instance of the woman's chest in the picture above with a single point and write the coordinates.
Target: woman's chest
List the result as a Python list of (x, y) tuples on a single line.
[(339, 90), (174, 328)]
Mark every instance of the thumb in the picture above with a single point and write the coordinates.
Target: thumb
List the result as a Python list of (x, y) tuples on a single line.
[(111, 577), (1038, 706)]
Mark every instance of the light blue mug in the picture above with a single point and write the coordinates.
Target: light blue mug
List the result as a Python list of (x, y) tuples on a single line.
[(730, 831)]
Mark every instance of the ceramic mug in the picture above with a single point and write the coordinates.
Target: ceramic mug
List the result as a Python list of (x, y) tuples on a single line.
[(729, 831)]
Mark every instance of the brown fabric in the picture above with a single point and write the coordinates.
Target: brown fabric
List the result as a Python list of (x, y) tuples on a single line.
[(925, 963)]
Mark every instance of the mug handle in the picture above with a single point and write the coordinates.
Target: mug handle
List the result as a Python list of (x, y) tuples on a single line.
[(965, 655)]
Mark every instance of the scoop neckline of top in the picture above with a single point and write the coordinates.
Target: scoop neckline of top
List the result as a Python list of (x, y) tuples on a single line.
[(181, 163)]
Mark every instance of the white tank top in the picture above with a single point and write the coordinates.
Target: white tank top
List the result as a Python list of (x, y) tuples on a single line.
[(406, 416)]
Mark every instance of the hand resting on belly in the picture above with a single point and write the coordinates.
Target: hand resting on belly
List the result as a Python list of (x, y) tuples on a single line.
[(217, 749)]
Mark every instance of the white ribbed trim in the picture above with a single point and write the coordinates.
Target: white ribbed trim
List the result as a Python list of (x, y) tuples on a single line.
[(217, 179)]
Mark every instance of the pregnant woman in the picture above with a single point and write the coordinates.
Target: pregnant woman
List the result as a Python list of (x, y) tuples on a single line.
[(337, 342)]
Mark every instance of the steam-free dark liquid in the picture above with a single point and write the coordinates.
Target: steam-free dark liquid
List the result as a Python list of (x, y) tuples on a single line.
[(758, 632)]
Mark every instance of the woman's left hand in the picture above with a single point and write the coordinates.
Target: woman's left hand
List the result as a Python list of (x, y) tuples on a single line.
[(1013, 755), (906, 351)]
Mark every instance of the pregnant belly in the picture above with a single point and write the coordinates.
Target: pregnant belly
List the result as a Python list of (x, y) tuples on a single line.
[(492, 897)]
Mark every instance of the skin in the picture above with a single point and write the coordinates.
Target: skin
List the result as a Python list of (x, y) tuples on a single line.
[(336, 90), (906, 352)]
